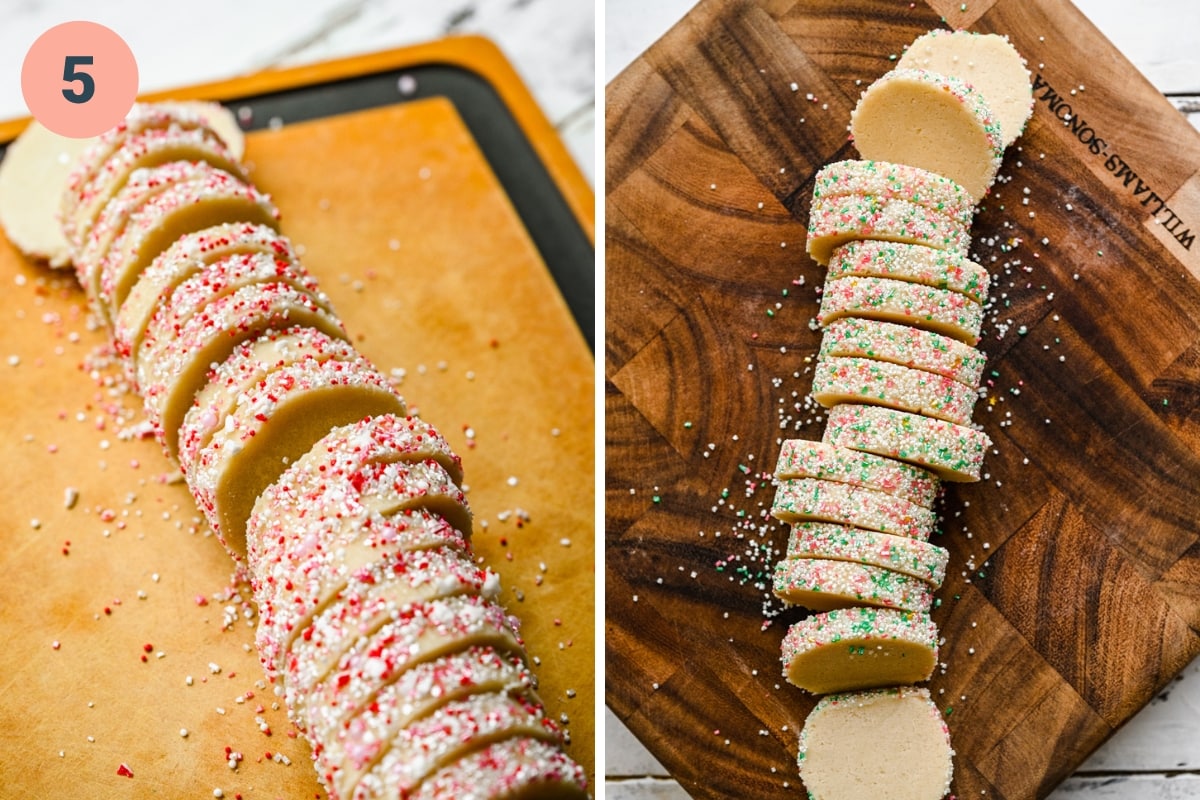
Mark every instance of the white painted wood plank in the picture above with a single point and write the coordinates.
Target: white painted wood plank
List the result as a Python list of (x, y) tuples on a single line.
[(644, 789), (1124, 787)]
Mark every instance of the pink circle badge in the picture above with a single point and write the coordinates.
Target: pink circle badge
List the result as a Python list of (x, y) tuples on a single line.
[(79, 79)]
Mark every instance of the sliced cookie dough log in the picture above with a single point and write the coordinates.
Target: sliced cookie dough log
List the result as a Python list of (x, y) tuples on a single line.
[(345, 756), (183, 208), (915, 263), (142, 185), (850, 649), (932, 121), (272, 425), (914, 557), (825, 584), (172, 370), (890, 743), (888, 181), (216, 280), (828, 501), (986, 61), (148, 148), (953, 452), (845, 379), (938, 310), (191, 253), (513, 769), (904, 345), (833, 221), (455, 730), (801, 458), (249, 364)]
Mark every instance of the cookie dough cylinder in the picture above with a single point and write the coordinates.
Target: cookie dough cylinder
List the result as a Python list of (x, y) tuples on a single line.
[(801, 458)]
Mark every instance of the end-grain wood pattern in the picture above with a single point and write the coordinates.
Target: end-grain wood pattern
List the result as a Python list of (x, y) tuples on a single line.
[(1074, 588)]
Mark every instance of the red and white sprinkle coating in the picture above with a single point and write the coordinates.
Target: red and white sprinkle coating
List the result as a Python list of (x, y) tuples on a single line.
[(938, 310), (843, 379), (904, 345), (895, 759), (966, 113), (418, 633), (914, 557), (299, 565), (183, 259), (375, 595), (828, 501), (859, 648), (825, 584), (392, 487), (148, 148), (833, 221), (180, 209), (221, 278), (141, 118), (274, 423), (173, 370), (143, 184), (353, 748), (801, 458), (915, 263), (889, 181), (429, 744), (508, 770), (953, 452)]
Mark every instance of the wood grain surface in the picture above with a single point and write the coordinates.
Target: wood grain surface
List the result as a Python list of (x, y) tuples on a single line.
[(1074, 589), (404, 224)]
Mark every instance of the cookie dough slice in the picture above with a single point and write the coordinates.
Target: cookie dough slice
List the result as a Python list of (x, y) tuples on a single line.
[(514, 769), (189, 254), (890, 743), (904, 345), (888, 181), (914, 557), (250, 363), (986, 61), (828, 501), (453, 731), (938, 310), (272, 425), (835, 220), (801, 458), (352, 749), (932, 121), (825, 584), (181, 209), (953, 452), (851, 649), (846, 379), (915, 263), (216, 280), (142, 185), (173, 370)]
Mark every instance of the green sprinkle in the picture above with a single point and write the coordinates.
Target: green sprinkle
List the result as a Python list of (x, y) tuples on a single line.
[(657, 499), (949, 710), (744, 469), (785, 292), (688, 424), (1166, 401)]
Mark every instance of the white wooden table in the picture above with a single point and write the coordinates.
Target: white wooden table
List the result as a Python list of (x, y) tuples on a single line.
[(1156, 755), (550, 42)]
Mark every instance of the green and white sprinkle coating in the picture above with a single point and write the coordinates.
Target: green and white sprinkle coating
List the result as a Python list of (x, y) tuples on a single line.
[(915, 263), (938, 310), (801, 458), (825, 584), (828, 501), (914, 557), (833, 221), (905, 345), (953, 452), (889, 181), (840, 379), (857, 627)]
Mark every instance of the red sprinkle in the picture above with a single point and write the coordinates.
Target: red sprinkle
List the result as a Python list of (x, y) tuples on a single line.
[(124, 771)]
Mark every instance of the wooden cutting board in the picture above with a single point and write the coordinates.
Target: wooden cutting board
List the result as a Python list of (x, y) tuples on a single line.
[(1074, 588), (118, 627)]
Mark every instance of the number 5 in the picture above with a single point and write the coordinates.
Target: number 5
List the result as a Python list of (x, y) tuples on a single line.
[(70, 74)]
